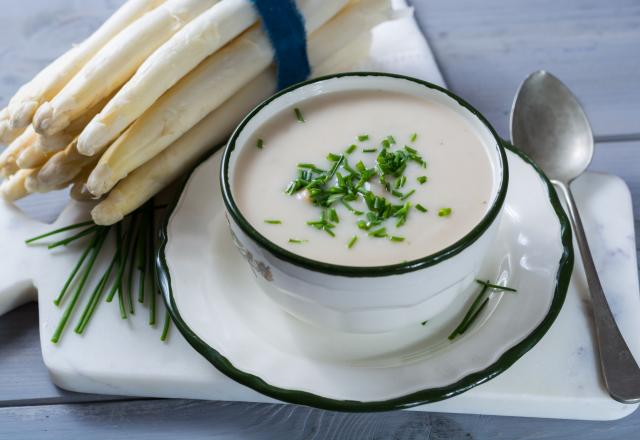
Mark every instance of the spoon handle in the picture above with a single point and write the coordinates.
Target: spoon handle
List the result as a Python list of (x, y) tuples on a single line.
[(620, 370)]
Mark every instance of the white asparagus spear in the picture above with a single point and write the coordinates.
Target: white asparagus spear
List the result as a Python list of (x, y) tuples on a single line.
[(7, 133), (4, 122), (60, 140), (116, 62), (14, 187), (56, 142), (202, 91), (79, 189), (165, 67), (146, 181), (32, 157), (10, 155), (63, 167), (61, 170), (33, 185), (8, 169), (182, 154), (55, 76)]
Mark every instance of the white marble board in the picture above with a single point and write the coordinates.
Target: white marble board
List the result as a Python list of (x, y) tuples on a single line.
[(558, 378)]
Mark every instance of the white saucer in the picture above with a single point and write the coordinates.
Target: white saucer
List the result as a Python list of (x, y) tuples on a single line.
[(219, 308)]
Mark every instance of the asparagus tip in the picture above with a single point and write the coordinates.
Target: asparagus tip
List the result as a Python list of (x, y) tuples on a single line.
[(49, 122), (101, 180), (21, 115), (106, 213)]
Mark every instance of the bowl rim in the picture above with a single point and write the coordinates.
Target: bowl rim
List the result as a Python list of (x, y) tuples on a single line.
[(363, 271)]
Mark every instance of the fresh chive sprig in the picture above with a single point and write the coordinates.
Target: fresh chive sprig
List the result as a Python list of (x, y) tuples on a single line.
[(59, 231), (132, 258), (477, 306), (496, 286), (96, 246)]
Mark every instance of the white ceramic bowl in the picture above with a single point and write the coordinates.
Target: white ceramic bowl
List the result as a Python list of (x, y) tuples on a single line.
[(364, 299)]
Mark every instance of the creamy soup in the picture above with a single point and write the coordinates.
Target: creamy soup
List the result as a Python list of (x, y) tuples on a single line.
[(365, 178)]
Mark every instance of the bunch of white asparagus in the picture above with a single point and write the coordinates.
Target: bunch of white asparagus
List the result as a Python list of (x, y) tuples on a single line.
[(126, 112)]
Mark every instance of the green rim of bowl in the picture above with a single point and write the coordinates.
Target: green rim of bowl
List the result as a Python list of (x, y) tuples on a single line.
[(430, 395), (369, 271)]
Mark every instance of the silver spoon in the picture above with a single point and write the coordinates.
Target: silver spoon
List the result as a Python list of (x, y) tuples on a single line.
[(548, 124)]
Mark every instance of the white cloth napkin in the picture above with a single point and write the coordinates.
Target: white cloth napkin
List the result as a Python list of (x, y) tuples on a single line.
[(400, 47)]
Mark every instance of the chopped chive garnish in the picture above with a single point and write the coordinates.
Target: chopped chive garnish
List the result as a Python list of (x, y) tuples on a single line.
[(273, 222), (343, 183), (421, 208), (424, 322), (259, 143), (401, 181), (413, 137), (348, 168), (422, 180), (295, 241), (495, 286), (410, 150), (352, 242), (444, 212), (351, 208), (379, 233), (299, 115), (407, 195), (323, 225)]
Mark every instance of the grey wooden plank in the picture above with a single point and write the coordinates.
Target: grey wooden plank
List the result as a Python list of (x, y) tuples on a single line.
[(24, 379), (171, 419), (486, 48)]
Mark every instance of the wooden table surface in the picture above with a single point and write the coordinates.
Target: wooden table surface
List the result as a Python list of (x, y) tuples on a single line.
[(485, 49)]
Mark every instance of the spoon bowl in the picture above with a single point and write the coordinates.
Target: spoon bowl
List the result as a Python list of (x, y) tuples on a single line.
[(548, 123)]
